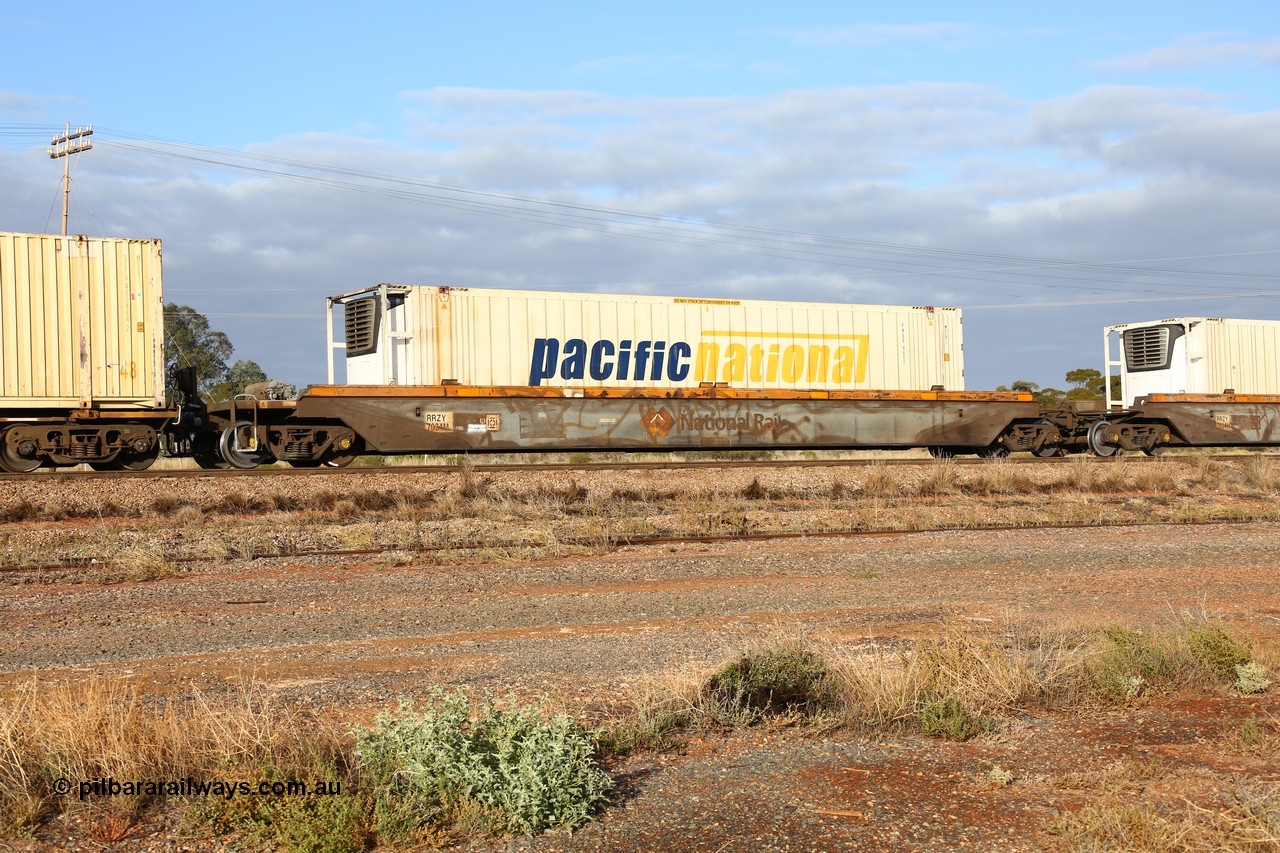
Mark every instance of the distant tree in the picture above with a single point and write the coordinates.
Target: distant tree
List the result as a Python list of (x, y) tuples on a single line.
[(1049, 398), (1088, 383), (189, 341), (238, 377)]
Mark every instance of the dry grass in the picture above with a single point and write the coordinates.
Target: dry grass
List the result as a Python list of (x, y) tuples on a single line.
[(1241, 820), (954, 686), (104, 728), (999, 476), (882, 481), (460, 510), (941, 478)]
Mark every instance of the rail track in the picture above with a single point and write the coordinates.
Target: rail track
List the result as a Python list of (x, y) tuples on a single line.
[(686, 464)]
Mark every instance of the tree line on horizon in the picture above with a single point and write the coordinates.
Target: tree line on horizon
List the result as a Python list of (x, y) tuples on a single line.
[(1086, 384)]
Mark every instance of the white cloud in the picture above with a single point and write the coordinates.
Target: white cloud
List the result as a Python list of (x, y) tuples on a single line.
[(1195, 52), (876, 35)]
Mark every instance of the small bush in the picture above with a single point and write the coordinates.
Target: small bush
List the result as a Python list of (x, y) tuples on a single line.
[(998, 777), (1250, 733), (785, 678), (1126, 664), (332, 822), (946, 718), (1251, 677), (754, 491), (941, 478), (496, 770), (1218, 650)]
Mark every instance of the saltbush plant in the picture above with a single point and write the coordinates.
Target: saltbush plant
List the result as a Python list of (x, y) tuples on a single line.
[(944, 717), (482, 769), (780, 679), (1218, 650)]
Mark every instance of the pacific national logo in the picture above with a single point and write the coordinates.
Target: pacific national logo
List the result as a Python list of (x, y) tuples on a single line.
[(789, 358)]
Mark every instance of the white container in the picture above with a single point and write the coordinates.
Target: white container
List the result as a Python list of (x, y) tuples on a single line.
[(403, 335), (1193, 355), (81, 323)]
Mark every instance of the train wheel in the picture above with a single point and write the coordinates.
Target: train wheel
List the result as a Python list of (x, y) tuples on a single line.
[(238, 458), (204, 450), (343, 458), (1053, 445), (11, 460), (1096, 442), (139, 461)]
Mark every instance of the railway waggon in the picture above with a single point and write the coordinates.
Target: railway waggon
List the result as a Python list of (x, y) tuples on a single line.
[(333, 424), (81, 352), (82, 366)]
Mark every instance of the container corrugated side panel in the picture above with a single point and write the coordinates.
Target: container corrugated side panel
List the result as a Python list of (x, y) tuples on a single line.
[(82, 322), (39, 315), (486, 337), (1239, 354)]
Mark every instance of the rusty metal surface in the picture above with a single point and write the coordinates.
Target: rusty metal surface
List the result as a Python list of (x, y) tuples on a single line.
[(1216, 420), (415, 424), (699, 393)]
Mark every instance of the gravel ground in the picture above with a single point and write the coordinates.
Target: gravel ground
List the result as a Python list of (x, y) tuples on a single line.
[(355, 635)]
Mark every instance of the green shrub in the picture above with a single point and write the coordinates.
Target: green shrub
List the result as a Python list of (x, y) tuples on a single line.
[(491, 771), (1251, 677), (311, 823), (1218, 650), (1126, 664), (780, 679), (946, 718)]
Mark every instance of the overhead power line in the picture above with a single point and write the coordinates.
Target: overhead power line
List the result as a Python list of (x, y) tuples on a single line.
[(883, 260)]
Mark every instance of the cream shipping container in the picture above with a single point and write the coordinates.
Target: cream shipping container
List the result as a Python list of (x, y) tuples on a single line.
[(81, 323), (1193, 355), (409, 335)]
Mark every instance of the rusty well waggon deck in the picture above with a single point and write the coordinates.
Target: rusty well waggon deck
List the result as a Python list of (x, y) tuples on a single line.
[(331, 424)]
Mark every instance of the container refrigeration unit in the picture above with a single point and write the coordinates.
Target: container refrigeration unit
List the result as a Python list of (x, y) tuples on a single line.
[(1192, 355)]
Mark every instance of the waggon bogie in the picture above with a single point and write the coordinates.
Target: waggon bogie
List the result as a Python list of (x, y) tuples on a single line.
[(113, 445)]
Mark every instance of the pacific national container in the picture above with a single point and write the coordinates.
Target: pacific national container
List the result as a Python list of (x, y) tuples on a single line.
[(1194, 355), (409, 335), (81, 323)]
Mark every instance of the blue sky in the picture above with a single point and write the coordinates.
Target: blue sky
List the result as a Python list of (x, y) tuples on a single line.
[(930, 154)]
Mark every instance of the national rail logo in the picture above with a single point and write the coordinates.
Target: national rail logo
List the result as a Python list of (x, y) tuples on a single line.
[(657, 422), (787, 358)]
